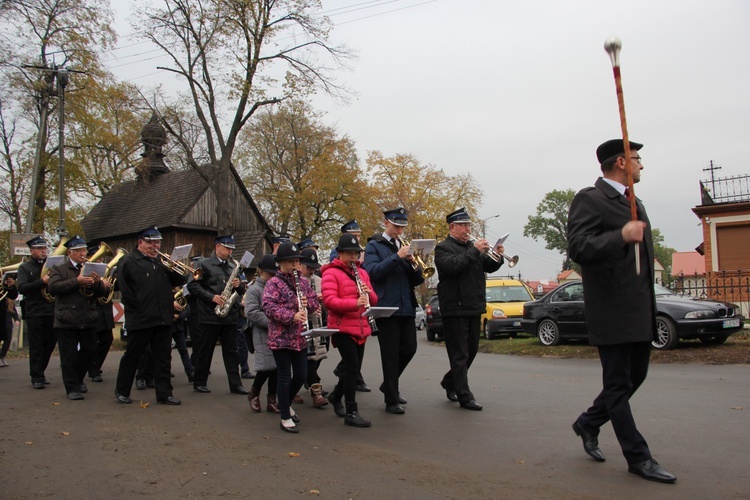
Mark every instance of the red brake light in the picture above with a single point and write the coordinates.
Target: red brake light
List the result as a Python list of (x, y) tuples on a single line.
[(428, 309)]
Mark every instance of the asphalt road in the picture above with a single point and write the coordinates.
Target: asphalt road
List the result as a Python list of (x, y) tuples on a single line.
[(695, 418)]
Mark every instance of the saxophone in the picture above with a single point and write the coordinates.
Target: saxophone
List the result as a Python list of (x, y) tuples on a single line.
[(228, 294)]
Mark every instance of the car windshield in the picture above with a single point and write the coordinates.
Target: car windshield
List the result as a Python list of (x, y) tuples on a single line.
[(508, 294), (661, 291)]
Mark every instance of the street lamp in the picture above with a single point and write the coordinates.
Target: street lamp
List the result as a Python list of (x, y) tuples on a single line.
[(484, 225)]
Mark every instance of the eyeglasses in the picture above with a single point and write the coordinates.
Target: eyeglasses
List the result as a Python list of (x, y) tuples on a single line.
[(636, 158)]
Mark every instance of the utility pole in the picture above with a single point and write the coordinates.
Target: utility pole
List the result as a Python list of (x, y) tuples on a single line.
[(62, 82)]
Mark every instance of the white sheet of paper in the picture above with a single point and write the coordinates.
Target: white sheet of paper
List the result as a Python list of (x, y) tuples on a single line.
[(247, 259), (54, 260), (380, 312), (181, 252), (185, 291), (501, 240), (319, 332), (426, 246), (94, 267)]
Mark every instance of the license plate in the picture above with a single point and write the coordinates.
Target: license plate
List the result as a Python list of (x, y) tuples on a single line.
[(731, 323), (516, 323)]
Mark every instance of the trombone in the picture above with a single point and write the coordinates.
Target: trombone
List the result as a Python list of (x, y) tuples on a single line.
[(178, 267), (497, 256), (417, 262)]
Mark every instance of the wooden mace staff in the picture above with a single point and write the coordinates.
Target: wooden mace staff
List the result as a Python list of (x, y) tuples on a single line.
[(613, 45)]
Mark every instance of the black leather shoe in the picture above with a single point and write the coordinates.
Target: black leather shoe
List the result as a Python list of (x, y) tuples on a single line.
[(401, 400), (201, 388), (169, 400), (239, 390), (140, 384), (125, 400), (248, 374), (395, 409), (338, 408), (451, 395), (151, 384), (651, 470), (590, 443), (471, 405), (363, 388), (38, 385), (97, 378), (296, 419), (75, 396), (84, 389), (355, 420), (191, 377), (293, 429)]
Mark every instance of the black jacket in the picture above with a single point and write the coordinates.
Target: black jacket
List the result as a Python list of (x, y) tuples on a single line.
[(462, 285), (146, 288), (392, 277), (73, 311), (212, 283), (30, 285)]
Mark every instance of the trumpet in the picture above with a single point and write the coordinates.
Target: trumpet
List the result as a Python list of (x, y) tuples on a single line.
[(179, 267), (417, 262), (60, 250), (497, 256)]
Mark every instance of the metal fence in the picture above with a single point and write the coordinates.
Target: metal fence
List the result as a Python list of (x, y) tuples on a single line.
[(728, 189), (725, 286)]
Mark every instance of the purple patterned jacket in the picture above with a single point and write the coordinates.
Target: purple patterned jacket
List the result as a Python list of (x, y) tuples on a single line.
[(280, 305)]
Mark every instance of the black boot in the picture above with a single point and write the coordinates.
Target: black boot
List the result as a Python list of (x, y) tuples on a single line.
[(355, 420), (335, 400)]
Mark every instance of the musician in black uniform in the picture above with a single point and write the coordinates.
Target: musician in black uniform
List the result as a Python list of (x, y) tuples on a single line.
[(146, 286), (461, 265), (75, 315), (7, 313), (37, 312), (104, 324), (205, 295)]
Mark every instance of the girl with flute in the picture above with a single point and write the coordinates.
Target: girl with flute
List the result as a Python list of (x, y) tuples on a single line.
[(287, 301), (347, 292)]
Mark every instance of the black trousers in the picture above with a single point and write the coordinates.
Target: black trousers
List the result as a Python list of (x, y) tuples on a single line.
[(462, 344), (159, 338), (203, 351), (291, 372), (260, 379), (77, 349), (352, 354), (42, 340), (397, 337), (103, 343), (624, 368)]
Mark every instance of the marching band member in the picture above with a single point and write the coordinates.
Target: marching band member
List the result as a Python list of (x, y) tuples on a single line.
[(287, 301), (104, 324), (205, 294), (461, 291), (263, 362), (7, 313), (37, 312), (75, 316), (317, 346), (346, 292), (146, 286), (394, 279)]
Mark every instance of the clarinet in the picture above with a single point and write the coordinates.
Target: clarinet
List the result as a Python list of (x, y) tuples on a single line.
[(361, 290), (298, 289)]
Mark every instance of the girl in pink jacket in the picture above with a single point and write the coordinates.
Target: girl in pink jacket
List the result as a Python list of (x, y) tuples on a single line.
[(346, 294)]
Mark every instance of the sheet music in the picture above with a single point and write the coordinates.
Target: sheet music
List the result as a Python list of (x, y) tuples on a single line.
[(181, 252), (247, 259), (501, 240), (53, 260), (425, 247), (93, 267), (379, 312), (319, 332)]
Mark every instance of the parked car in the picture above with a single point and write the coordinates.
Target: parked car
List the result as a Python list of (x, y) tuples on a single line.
[(420, 319), (559, 315), (434, 326), (505, 299)]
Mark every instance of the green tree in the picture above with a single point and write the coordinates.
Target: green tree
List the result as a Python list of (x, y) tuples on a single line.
[(662, 252), (236, 57), (551, 223)]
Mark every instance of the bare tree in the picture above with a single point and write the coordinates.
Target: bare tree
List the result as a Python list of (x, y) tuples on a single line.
[(237, 56)]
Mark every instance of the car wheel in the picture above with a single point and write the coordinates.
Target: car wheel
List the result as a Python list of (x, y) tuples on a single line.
[(430, 335), (666, 334), (421, 325), (714, 339), (548, 332), (487, 333)]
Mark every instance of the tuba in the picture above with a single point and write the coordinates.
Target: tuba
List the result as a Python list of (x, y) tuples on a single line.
[(102, 252), (111, 265), (417, 262), (7, 269), (60, 250)]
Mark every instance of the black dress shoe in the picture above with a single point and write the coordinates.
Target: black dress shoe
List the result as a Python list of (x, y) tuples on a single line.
[(338, 408), (125, 400), (401, 400), (590, 443), (293, 429), (239, 390), (363, 388), (140, 384), (151, 384), (97, 378), (75, 396), (169, 400), (248, 374), (395, 409), (296, 419), (191, 377), (451, 395), (651, 470), (471, 405), (37, 385), (201, 388), (355, 420), (84, 389)]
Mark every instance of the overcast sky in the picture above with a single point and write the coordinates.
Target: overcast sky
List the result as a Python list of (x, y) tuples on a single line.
[(520, 93)]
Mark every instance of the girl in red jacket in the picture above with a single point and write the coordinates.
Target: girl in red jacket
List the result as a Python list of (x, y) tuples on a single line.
[(346, 296)]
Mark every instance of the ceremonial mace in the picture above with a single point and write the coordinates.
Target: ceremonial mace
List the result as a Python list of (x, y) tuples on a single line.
[(613, 45)]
